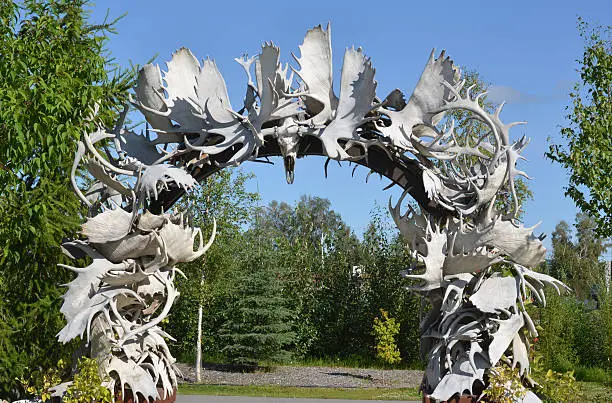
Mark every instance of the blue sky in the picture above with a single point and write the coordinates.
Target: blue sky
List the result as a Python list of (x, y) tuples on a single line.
[(525, 49)]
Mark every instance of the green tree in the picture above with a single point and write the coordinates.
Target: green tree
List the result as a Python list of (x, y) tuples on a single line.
[(257, 326), (54, 71), (334, 283), (587, 153), (559, 332), (576, 327), (311, 220), (318, 250), (384, 256), (575, 259), (224, 197)]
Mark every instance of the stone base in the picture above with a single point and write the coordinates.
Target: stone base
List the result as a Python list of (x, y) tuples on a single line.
[(454, 399), (129, 397)]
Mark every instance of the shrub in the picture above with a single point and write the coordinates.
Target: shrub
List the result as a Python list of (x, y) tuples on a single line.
[(590, 339), (594, 374), (606, 324), (40, 381), (385, 331), (504, 385), (87, 385), (552, 386), (559, 322), (558, 387), (54, 69)]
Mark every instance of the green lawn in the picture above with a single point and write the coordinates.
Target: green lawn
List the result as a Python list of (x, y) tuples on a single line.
[(592, 392), (291, 391), (595, 392)]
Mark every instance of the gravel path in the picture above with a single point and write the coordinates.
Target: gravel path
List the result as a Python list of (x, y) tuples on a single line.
[(327, 377)]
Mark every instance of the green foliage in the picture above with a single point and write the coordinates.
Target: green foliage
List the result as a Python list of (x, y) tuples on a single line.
[(225, 197), (316, 249), (385, 330), (575, 259), (593, 339), (335, 284), (383, 256), (504, 385), (594, 374), (557, 340), (588, 152), (53, 71), (87, 385), (577, 329), (38, 383), (606, 324), (303, 255), (11, 356), (573, 334), (256, 326), (558, 387), (551, 385)]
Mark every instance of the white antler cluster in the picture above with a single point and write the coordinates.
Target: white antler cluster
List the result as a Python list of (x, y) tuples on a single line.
[(118, 301), (478, 313)]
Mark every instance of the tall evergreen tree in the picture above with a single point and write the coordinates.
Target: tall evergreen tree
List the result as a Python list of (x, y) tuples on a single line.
[(257, 326)]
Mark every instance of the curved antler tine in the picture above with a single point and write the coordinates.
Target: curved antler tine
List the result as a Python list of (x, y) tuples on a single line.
[(72, 268), (180, 272), (392, 209), (140, 105), (102, 160), (403, 196), (327, 164), (482, 94), (468, 92), (499, 109), (78, 156), (202, 250)]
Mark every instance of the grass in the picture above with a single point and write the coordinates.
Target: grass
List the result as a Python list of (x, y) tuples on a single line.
[(592, 392), (348, 362), (590, 374), (296, 392), (595, 392)]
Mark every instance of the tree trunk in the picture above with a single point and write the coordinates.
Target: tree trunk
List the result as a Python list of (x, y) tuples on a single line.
[(198, 363)]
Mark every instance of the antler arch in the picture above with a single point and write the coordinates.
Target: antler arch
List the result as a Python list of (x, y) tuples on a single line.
[(457, 236)]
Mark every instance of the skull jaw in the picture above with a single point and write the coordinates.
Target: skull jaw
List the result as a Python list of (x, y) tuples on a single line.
[(289, 162)]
